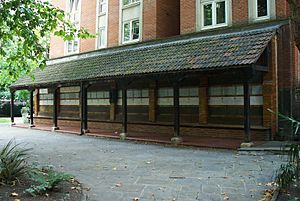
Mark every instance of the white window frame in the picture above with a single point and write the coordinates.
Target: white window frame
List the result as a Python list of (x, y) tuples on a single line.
[(78, 26), (99, 38), (121, 22), (99, 3), (214, 14), (256, 11), (131, 40), (98, 28), (131, 2)]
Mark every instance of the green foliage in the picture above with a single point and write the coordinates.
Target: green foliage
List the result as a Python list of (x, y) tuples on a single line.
[(289, 173), (47, 178), (25, 28), (286, 175), (12, 162)]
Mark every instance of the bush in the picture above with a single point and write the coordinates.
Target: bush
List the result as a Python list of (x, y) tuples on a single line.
[(47, 178), (12, 162), (5, 109)]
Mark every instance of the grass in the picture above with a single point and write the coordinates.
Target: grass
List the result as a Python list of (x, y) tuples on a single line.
[(4, 120)]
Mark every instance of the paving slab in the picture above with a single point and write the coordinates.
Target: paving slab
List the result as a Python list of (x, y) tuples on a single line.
[(117, 170)]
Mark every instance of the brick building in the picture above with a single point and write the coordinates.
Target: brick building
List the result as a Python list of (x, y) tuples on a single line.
[(208, 68)]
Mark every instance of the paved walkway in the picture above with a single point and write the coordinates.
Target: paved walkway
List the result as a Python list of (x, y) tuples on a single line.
[(121, 171)]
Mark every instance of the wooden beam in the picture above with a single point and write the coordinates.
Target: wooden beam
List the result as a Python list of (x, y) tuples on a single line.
[(31, 108), (83, 109), (124, 110), (55, 109), (247, 112), (113, 101), (152, 100), (12, 105), (176, 109)]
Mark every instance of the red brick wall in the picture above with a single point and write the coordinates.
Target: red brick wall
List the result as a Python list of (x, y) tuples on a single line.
[(284, 58), (57, 43), (149, 19), (113, 23), (187, 16), (282, 9), (237, 133), (88, 21), (168, 18), (240, 12)]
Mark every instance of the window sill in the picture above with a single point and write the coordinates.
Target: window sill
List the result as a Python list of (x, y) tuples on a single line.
[(260, 19), (130, 42), (204, 28)]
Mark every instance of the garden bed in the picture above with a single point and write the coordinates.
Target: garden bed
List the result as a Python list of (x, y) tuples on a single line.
[(290, 194), (67, 190)]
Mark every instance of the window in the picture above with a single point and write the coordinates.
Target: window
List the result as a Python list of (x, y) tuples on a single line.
[(69, 95), (131, 31), (262, 9), (135, 97), (98, 98), (101, 37), (102, 6), (234, 95), (128, 2), (74, 17), (102, 24), (45, 98), (214, 13)]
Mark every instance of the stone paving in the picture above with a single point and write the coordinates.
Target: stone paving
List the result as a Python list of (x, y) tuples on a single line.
[(121, 171)]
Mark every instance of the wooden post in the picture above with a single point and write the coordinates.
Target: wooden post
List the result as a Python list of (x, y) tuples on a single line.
[(83, 109), (36, 102), (176, 138), (152, 101), (55, 109), (124, 112), (203, 101), (113, 102), (12, 105), (247, 108), (31, 108)]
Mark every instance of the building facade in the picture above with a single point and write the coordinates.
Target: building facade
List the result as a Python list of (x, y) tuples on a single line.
[(207, 68)]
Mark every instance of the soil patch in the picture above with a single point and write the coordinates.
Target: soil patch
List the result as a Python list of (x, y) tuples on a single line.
[(64, 191), (291, 193)]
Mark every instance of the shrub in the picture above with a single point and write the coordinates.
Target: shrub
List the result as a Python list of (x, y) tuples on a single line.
[(12, 162), (47, 178)]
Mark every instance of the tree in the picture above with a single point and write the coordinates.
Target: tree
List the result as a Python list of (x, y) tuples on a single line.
[(295, 17), (25, 28)]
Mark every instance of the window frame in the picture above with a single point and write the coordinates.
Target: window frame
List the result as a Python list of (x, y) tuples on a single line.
[(132, 3), (257, 18), (131, 40), (99, 3), (77, 24), (98, 27), (214, 14)]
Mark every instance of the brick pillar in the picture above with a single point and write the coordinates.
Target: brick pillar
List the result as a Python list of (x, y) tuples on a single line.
[(270, 90), (113, 23), (152, 101), (203, 101)]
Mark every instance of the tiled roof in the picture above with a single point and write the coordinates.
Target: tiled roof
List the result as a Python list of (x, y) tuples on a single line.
[(195, 52)]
